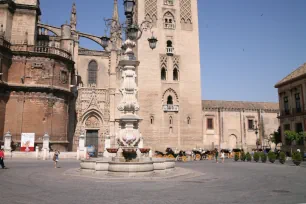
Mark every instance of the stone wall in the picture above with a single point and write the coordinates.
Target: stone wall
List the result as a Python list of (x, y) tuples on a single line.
[(37, 113), (230, 128), (40, 71)]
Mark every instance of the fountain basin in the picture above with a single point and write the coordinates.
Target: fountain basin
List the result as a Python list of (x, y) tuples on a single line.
[(88, 164), (144, 150), (131, 167), (112, 150), (102, 165)]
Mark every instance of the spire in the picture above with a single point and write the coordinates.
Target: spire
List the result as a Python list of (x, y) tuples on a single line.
[(115, 33), (73, 19), (115, 12)]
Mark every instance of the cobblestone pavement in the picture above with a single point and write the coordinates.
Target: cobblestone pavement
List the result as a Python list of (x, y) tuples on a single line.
[(31, 182)]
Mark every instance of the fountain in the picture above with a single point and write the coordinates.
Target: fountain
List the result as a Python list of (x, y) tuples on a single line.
[(129, 157)]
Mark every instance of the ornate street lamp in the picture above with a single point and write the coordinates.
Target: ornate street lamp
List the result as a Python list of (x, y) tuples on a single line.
[(129, 7), (256, 129), (132, 32), (152, 42)]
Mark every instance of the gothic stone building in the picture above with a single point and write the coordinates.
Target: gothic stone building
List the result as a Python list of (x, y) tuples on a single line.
[(49, 84)]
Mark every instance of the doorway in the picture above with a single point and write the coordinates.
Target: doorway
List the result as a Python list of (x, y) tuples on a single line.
[(92, 142)]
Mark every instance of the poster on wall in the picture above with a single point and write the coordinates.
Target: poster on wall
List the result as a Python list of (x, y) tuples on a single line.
[(27, 142)]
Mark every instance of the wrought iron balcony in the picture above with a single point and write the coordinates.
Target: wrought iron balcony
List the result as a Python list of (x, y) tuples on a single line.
[(171, 108), (169, 26), (169, 2), (170, 50), (4, 43)]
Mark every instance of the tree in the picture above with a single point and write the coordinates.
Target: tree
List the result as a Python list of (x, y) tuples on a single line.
[(276, 137), (293, 136)]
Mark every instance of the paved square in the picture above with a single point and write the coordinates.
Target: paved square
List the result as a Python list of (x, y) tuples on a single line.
[(31, 182)]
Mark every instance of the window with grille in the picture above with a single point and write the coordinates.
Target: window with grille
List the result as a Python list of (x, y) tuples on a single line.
[(298, 103), (92, 72), (210, 124)]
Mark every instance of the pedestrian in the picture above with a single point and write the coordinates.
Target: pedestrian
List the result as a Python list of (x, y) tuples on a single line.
[(55, 158), (222, 156), (2, 158), (216, 155)]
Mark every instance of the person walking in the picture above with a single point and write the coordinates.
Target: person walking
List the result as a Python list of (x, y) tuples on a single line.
[(222, 156), (216, 155), (2, 158), (56, 158)]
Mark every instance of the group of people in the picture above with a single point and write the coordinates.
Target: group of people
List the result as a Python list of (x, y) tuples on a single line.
[(55, 158), (217, 155)]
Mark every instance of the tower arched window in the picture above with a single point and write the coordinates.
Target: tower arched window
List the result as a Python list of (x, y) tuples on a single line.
[(169, 43), (169, 100), (163, 74), (175, 74), (188, 120), (170, 120), (92, 72), (152, 120), (169, 20)]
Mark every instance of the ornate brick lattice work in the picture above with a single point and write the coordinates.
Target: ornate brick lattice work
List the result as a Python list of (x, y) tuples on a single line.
[(186, 14), (151, 10), (163, 61), (176, 61)]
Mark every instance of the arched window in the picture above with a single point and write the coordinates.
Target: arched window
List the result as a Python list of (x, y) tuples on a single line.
[(175, 74), (169, 100), (188, 120), (163, 74), (92, 72), (152, 120), (169, 43), (170, 120), (169, 20)]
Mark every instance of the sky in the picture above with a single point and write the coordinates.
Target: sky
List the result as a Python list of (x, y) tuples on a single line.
[(246, 46)]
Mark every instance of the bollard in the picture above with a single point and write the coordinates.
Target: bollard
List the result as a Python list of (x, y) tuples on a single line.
[(36, 152)]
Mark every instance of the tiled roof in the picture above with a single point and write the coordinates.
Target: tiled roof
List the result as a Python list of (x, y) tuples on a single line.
[(212, 104), (299, 72)]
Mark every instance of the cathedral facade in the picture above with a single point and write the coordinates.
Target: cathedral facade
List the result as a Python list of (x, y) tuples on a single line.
[(50, 84)]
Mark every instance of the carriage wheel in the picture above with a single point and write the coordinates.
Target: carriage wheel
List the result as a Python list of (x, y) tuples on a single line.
[(159, 156), (184, 158), (198, 157), (170, 156)]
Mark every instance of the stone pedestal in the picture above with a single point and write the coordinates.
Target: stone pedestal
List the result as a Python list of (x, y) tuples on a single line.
[(82, 149), (7, 142), (46, 141), (107, 144)]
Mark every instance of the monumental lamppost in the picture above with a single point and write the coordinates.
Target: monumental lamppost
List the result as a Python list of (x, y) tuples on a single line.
[(256, 129), (128, 135)]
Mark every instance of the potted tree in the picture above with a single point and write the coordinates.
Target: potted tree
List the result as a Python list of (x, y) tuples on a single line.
[(256, 156), (263, 157), (297, 158), (276, 137), (282, 157), (248, 157), (242, 156), (236, 158), (271, 156), (294, 137)]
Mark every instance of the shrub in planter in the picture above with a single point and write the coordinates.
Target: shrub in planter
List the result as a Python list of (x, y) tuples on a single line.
[(272, 157), (282, 157), (263, 157), (297, 158), (242, 156), (236, 158), (248, 157), (256, 156)]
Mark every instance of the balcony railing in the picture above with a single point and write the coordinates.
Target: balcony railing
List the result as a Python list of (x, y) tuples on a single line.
[(169, 26), (169, 2), (42, 49), (171, 108), (169, 50)]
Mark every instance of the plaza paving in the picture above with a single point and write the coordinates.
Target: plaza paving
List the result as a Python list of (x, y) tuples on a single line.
[(31, 182)]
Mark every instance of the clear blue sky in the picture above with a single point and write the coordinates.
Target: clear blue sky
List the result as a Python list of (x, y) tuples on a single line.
[(246, 45)]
